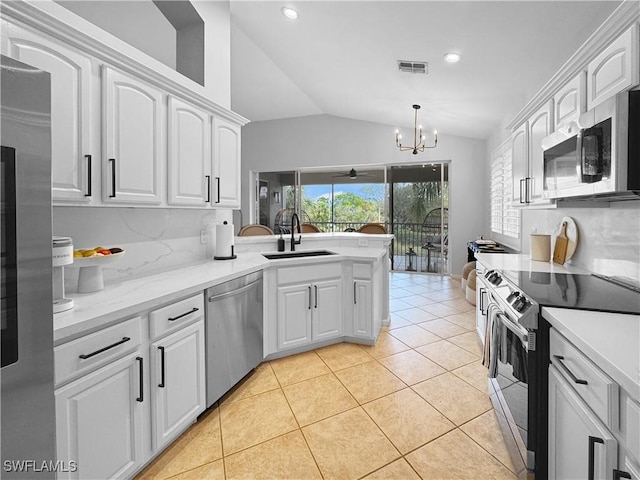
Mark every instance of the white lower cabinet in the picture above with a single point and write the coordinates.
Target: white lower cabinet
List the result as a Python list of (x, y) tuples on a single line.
[(177, 382), (99, 421), (308, 306), (362, 308), (580, 445), (309, 312), (123, 394)]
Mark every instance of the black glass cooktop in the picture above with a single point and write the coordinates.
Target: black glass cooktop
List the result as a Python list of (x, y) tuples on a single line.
[(583, 292)]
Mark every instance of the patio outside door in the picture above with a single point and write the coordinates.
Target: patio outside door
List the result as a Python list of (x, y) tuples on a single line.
[(419, 205)]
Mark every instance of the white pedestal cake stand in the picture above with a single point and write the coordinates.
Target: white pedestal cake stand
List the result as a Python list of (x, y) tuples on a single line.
[(90, 277)]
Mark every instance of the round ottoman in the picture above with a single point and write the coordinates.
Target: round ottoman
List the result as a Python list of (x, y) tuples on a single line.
[(468, 267), (470, 293)]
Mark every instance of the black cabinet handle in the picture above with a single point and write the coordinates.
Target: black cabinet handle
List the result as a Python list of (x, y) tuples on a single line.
[(88, 158), (218, 188), (316, 291), (575, 379), (113, 177), (193, 310), (355, 299), (141, 370), (483, 292), (161, 384), (618, 474), (592, 447), (527, 199), (521, 191), (84, 356), (208, 177), (309, 297)]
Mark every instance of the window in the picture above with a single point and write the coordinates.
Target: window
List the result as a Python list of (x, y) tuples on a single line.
[(505, 219)]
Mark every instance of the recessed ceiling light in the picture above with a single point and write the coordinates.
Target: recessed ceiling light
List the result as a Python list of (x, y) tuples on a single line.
[(289, 13), (452, 57)]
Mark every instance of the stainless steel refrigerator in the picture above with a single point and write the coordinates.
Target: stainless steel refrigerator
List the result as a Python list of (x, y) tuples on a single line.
[(27, 405)]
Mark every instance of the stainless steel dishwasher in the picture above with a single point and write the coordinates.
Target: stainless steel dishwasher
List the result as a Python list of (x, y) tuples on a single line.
[(234, 329)]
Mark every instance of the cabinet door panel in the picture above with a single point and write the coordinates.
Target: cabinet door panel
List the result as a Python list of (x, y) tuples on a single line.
[(615, 69), (294, 315), (571, 423), (570, 101), (70, 109), (363, 308), (540, 125), (519, 161), (189, 154), (327, 309), (182, 396), (132, 137), (99, 422), (227, 164)]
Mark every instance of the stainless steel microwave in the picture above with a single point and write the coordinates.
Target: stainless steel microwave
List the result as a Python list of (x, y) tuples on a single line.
[(597, 155)]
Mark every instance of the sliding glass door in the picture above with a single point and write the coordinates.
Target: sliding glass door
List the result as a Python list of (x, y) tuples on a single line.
[(419, 204)]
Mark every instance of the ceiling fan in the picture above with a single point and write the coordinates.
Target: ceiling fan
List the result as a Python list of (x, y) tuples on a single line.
[(353, 174)]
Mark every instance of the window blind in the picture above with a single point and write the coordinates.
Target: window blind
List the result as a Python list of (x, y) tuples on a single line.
[(505, 219)]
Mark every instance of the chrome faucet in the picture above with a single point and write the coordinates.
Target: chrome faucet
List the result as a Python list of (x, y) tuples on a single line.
[(295, 242)]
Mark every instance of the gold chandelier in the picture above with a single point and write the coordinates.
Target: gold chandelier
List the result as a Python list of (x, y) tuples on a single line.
[(418, 138)]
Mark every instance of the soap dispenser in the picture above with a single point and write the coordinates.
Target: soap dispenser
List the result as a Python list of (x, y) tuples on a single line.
[(281, 243)]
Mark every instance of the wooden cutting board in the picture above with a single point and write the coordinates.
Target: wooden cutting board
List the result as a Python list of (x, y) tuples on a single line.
[(562, 242)]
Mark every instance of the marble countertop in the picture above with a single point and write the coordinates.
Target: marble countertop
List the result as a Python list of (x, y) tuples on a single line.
[(523, 263), (610, 340), (93, 311), (312, 237)]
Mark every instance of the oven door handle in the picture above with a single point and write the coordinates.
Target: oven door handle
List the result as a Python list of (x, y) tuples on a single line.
[(519, 330)]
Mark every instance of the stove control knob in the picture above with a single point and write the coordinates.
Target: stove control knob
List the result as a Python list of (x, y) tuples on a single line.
[(524, 304), (512, 296), (498, 280)]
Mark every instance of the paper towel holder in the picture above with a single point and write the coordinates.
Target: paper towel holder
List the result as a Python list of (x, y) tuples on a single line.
[(233, 255), (230, 257)]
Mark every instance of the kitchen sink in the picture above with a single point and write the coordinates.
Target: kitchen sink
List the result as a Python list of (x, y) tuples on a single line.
[(301, 254)]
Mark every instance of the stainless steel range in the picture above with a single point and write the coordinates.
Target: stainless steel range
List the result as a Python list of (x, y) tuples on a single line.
[(516, 339), (508, 323)]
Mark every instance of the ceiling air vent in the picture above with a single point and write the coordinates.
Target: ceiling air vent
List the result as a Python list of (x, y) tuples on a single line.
[(412, 67)]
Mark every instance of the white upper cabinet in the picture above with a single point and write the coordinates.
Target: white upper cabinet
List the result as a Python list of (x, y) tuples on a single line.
[(570, 101), (226, 146), (132, 140), (615, 69), (540, 125), (527, 157), (519, 163), (71, 151), (189, 154)]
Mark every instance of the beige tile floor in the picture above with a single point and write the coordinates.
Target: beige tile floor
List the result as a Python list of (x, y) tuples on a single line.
[(413, 406)]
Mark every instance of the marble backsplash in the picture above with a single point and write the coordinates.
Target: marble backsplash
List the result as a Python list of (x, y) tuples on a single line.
[(154, 239), (608, 238)]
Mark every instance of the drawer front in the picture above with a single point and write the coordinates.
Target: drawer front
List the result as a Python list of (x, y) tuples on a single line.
[(173, 317), (309, 273), (632, 427), (598, 391), (362, 270), (92, 351)]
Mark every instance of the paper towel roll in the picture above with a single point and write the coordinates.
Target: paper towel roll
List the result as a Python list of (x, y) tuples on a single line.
[(224, 241), (541, 247)]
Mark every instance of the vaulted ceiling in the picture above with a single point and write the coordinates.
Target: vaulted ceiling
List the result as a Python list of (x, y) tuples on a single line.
[(340, 58)]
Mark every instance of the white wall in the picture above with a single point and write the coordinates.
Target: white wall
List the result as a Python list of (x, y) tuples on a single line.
[(139, 23), (142, 25), (325, 140), (217, 49)]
